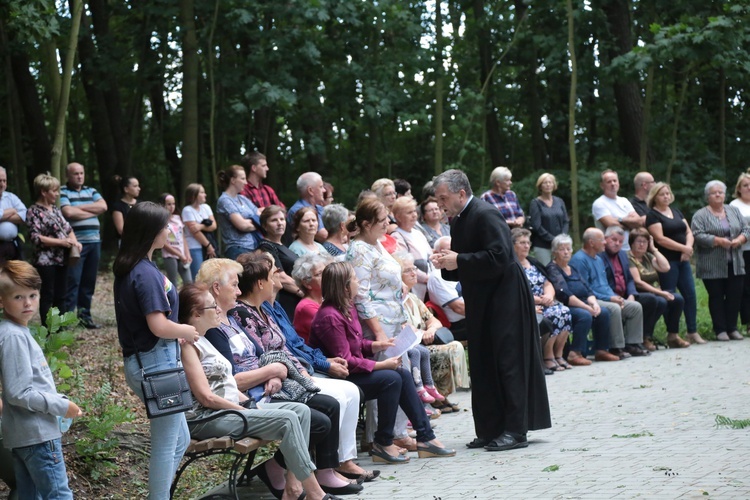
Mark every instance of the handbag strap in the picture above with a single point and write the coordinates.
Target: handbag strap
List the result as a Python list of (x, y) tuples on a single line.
[(137, 357)]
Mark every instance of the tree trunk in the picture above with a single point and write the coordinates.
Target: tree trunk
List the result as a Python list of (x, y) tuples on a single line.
[(212, 87), (723, 120), (527, 59), (676, 125), (492, 125), (439, 79), (627, 90), (53, 83), (572, 122), (190, 130), (644, 155), (62, 107), (108, 82)]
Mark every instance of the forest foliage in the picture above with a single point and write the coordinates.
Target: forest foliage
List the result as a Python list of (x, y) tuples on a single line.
[(357, 90)]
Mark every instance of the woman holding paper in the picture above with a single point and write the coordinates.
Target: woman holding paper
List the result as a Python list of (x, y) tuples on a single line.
[(337, 332)]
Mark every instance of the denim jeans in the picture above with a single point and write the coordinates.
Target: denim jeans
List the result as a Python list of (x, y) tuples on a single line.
[(582, 323), (169, 435), (40, 471), (680, 276), (82, 280), (197, 255)]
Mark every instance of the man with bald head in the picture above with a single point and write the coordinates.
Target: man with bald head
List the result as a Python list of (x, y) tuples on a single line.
[(625, 316), (82, 205), (13, 215), (643, 182)]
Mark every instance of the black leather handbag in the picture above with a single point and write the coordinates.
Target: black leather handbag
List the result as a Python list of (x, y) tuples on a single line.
[(166, 392)]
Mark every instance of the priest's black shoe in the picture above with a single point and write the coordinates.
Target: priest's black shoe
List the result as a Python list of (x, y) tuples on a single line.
[(507, 441), (478, 443)]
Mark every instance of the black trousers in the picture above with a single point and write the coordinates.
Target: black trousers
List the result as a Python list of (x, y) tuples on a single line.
[(653, 308), (724, 299), (54, 286), (324, 430)]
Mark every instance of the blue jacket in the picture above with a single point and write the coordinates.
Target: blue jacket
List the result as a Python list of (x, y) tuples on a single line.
[(629, 282), (307, 355)]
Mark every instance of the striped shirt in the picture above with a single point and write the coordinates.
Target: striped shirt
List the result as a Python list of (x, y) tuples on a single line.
[(86, 230)]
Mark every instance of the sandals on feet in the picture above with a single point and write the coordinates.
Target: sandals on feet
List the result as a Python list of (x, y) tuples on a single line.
[(564, 364), (551, 364)]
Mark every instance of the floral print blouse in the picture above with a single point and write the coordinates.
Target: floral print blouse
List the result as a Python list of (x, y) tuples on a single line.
[(380, 295), (263, 329), (51, 223)]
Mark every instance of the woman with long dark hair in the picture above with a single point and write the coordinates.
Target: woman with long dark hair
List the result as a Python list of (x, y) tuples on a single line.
[(146, 310), (337, 332), (129, 191)]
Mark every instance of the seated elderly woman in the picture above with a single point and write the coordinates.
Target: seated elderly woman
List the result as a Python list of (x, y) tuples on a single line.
[(288, 422), (447, 361), (573, 291), (412, 241), (646, 262), (335, 218), (305, 227), (433, 226), (272, 377), (263, 329), (544, 297), (307, 274), (273, 223), (337, 331)]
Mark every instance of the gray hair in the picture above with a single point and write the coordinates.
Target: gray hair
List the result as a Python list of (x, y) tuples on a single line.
[(589, 234), (455, 179), (561, 239), (712, 184), (614, 230), (403, 257), (439, 242), (304, 265), (500, 174), (333, 216), (306, 180)]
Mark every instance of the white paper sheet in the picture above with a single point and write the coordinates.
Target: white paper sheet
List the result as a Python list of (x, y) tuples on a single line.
[(405, 340)]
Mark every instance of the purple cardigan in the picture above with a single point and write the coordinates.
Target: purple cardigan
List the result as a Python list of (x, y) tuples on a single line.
[(337, 336)]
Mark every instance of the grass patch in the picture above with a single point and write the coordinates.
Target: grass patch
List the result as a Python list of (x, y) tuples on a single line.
[(722, 421), (551, 468)]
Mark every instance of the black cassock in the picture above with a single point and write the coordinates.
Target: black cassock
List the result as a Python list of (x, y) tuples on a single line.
[(509, 392)]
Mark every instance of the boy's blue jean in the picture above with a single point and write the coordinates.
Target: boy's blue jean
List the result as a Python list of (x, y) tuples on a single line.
[(40, 471), (169, 435)]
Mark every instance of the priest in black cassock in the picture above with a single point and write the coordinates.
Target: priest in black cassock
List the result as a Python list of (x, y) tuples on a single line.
[(509, 393)]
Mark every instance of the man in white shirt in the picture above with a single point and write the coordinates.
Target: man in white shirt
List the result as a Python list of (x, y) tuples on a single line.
[(12, 215), (445, 295), (612, 210)]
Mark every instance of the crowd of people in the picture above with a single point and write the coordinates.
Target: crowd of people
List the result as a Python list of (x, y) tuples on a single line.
[(286, 322)]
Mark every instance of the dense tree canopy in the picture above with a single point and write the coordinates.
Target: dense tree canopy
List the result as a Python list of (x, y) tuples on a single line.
[(356, 90)]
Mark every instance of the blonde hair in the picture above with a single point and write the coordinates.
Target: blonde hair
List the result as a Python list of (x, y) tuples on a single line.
[(45, 182), (543, 178), (654, 191), (403, 204), (18, 274), (743, 176), (379, 185), (217, 271)]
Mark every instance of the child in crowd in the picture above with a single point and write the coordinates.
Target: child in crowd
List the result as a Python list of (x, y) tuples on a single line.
[(175, 253), (31, 403)]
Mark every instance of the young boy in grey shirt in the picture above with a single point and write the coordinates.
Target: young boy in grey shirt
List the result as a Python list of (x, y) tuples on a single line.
[(31, 403)]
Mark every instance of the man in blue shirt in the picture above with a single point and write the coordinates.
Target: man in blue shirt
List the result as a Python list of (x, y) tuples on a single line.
[(312, 194), (82, 205), (12, 215), (588, 262)]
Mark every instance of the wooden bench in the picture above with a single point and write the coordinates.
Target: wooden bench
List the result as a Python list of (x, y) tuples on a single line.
[(243, 450)]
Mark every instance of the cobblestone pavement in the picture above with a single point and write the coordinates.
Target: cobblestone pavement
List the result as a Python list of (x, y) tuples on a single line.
[(643, 427)]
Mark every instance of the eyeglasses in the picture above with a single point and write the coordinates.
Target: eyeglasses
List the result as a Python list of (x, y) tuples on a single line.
[(215, 306)]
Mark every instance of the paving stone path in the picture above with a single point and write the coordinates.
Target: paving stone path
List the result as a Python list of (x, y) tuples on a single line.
[(643, 427)]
